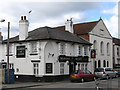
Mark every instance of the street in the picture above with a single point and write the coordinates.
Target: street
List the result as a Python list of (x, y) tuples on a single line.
[(111, 84)]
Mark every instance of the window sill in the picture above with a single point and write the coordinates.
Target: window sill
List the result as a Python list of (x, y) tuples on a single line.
[(34, 54), (10, 55)]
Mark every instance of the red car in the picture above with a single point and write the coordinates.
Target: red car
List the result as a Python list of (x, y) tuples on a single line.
[(82, 75)]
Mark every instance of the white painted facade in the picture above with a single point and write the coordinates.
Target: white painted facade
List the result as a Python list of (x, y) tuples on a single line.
[(40, 53), (47, 52), (101, 36)]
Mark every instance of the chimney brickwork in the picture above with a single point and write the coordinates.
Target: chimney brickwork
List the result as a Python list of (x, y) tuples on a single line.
[(69, 25)]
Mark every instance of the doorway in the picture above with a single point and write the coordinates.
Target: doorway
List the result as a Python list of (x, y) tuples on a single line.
[(71, 67)]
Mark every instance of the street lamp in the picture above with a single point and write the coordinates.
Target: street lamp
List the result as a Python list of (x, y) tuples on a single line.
[(2, 20), (8, 53)]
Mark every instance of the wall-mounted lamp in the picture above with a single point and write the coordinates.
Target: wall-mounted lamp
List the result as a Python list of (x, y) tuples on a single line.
[(50, 55)]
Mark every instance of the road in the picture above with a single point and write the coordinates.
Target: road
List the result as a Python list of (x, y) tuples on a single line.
[(111, 84)]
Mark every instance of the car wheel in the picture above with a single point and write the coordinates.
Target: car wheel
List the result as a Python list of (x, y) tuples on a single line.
[(116, 76), (71, 81), (82, 80)]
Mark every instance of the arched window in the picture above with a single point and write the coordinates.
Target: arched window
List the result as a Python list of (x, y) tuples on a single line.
[(99, 63), (107, 64), (102, 48), (104, 63), (95, 64), (108, 48), (95, 44)]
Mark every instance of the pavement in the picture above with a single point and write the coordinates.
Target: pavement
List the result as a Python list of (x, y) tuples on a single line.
[(24, 85), (17, 85)]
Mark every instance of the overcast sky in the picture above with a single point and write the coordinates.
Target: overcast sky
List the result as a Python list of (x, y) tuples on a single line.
[(54, 14)]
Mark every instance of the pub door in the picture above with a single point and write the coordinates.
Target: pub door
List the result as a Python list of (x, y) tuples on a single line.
[(71, 67)]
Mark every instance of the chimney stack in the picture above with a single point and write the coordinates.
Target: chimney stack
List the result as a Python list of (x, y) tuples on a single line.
[(23, 28), (69, 25)]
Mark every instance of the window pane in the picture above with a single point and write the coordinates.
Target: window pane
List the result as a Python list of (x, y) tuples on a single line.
[(82, 66), (62, 68), (78, 66)]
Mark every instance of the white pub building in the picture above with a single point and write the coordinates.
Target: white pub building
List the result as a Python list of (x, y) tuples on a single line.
[(45, 54)]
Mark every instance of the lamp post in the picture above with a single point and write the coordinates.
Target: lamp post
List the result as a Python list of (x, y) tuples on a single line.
[(3, 20), (8, 53)]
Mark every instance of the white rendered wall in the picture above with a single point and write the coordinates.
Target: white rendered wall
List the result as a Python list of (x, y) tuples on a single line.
[(95, 34)]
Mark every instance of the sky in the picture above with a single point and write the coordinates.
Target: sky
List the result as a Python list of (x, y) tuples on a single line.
[(54, 13)]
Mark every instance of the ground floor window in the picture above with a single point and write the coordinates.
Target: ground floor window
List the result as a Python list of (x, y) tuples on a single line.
[(95, 64), (35, 68), (79, 67), (85, 66), (118, 61), (104, 63), (107, 64), (82, 66), (61, 68), (99, 63)]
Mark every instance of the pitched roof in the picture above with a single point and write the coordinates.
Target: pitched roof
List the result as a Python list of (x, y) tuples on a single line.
[(48, 33), (116, 41), (82, 28)]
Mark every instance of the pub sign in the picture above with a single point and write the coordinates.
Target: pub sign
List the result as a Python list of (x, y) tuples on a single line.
[(48, 67), (93, 53), (20, 51)]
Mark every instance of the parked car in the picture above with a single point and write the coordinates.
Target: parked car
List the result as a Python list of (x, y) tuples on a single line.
[(117, 70), (105, 73), (82, 75)]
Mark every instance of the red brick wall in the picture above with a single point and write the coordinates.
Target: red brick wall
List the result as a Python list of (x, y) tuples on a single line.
[(85, 36)]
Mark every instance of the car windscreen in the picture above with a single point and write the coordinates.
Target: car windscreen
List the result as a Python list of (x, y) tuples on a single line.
[(99, 70), (76, 72)]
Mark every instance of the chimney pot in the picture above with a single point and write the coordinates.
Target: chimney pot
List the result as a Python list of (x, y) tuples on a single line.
[(24, 17), (21, 17)]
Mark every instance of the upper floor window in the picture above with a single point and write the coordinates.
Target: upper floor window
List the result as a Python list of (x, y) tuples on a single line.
[(102, 47), (79, 50), (85, 50), (118, 51), (95, 45), (62, 48), (108, 48), (33, 47), (10, 48), (101, 31)]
